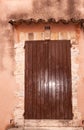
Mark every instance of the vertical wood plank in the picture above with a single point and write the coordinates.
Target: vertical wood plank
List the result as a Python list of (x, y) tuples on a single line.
[(61, 80), (56, 102), (53, 78), (26, 82), (60, 93), (65, 80), (38, 81), (46, 84), (67, 107), (42, 63), (69, 90), (34, 80), (29, 84), (57, 81), (50, 80), (63, 65)]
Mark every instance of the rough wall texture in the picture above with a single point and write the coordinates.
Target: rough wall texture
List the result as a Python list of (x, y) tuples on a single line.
[(12, 9), (57, 9), (7, 81)]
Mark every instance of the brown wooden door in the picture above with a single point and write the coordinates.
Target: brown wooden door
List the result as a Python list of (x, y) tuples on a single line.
[(48, 80)]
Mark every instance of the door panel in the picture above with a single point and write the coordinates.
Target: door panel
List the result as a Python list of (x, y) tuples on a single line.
[(48, 91)]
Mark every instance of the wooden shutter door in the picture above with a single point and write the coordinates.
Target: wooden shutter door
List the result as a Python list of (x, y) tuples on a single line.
[(48, 93)]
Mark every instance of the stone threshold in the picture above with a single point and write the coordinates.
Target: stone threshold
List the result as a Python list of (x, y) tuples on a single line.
[(48, 128)]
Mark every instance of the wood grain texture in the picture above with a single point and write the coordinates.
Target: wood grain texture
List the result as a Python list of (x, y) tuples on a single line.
[(48, 92)]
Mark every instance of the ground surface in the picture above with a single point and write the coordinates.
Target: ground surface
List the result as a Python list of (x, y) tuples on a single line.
[(48, 128)]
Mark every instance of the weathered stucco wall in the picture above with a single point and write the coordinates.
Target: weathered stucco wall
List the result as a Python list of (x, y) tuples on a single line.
[(81, 74), (45, 9)]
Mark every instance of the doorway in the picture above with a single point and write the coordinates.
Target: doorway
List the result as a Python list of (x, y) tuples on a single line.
[(48, 88)]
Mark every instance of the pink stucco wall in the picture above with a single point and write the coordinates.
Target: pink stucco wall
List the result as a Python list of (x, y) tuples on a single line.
[(81, 75), (7, 98), (8, 86)]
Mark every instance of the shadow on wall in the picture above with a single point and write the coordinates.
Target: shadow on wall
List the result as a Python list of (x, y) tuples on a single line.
[(38, 9), (58, 9)]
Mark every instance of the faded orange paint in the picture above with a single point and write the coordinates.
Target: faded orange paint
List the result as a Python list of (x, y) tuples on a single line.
[(7, 98), (20, 9), (81, 75)]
